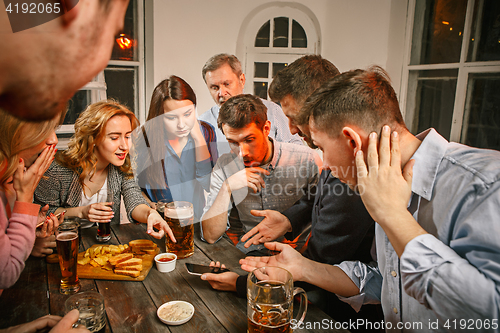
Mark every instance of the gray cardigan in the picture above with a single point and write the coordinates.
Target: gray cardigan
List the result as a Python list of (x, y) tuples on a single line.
[(62, 189)]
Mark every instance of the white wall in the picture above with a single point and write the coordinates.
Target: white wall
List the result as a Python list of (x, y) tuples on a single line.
[(354, 34)]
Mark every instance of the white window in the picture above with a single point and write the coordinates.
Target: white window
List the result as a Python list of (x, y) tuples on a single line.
[(452, 71), (122, 79), (275, 37)]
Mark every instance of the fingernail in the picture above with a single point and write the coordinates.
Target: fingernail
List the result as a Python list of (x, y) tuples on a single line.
[(386, 129), (20, 160), (359, 153), (203, 277), (149, 231), (52, 215), (373, 135), (395, 134)]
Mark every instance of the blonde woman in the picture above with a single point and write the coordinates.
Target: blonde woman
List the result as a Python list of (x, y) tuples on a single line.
[(26, 151), (96, 163)]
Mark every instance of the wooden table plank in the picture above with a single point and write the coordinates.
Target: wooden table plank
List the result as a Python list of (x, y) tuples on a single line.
[(131, 306), (31, 288)]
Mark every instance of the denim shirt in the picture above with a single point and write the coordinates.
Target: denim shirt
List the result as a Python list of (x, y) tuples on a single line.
[(293, 171), (279, 126), (449, 279)]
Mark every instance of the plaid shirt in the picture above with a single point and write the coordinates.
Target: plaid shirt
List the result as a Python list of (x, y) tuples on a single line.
[(293, 171)]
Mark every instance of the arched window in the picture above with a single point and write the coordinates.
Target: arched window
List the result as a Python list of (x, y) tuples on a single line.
[(275, 36)]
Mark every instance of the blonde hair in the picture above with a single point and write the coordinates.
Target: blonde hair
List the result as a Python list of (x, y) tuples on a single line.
[(19, 135), (89, 132)]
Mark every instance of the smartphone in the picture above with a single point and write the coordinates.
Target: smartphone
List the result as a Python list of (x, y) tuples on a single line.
[(202, 269)]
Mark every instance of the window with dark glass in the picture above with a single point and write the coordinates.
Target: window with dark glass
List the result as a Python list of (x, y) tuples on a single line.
[(454, 71)]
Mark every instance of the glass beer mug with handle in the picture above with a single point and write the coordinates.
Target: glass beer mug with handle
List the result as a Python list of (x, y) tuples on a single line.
[(179, 217), (270, 295)]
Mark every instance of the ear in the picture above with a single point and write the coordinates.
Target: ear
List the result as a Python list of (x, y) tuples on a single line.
[(353, 139), (71, 9), (267, 128), (242, 79)]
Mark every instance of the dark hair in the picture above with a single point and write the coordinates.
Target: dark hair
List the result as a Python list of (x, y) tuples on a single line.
[(301, 78), (218, 60), (172, 88), (241, 110), (364, 98)]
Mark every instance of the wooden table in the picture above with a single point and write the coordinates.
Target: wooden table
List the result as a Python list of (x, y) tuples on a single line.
[(131, 306)]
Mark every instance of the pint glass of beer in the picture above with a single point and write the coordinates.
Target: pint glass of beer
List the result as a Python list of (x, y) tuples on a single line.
[(67, 250), (179, 216)]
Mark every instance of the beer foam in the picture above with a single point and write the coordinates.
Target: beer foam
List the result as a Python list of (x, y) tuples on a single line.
[(179, 213), (67, 236)]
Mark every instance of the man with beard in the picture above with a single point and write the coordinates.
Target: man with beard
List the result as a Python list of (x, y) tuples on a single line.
[(224, 79), (258, 173)]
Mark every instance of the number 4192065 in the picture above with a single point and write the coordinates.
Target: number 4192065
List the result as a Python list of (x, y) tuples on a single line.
[(33, 8)]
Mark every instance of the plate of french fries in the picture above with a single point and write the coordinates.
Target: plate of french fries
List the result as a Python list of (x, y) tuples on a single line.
[(118, 262)]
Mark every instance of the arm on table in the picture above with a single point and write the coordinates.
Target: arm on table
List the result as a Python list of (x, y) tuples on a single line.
[(327, 277)]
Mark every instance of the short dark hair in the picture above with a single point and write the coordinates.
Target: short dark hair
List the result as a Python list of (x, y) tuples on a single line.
[(172, 88), (242, 110), (359, 97), (300, 79), (218, 60)]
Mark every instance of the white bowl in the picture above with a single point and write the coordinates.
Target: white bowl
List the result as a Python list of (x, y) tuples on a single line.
[(165, 267), (189, 308)]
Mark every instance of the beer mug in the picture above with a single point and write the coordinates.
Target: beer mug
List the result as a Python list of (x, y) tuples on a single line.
[(67, 250), (179, 216), (270, 295)]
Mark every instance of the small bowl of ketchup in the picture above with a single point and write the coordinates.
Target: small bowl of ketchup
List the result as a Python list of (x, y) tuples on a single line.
[(165, 262)]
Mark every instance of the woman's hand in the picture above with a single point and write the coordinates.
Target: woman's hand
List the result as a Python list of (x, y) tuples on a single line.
[(156, 221), (45, 240), (100, 212), (26, 181), (196, 133)]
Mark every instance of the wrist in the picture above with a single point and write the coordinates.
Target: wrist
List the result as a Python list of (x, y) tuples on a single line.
[(225, 187)]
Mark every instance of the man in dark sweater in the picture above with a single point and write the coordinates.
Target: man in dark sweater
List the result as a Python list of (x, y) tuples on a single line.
[(341, 228)]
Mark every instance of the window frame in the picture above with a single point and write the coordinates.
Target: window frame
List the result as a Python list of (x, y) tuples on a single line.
[(408, 90), (98, 86), (248, 53)]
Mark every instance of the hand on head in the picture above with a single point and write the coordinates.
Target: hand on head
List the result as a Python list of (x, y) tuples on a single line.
[(26, 181), (384, 188)]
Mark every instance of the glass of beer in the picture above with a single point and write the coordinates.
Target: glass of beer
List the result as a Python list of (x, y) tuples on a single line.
[(104, 229), (179, 216), (270, 295), (67, 250)]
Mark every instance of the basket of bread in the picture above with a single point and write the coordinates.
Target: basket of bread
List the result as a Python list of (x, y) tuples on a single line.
[(103, 261)]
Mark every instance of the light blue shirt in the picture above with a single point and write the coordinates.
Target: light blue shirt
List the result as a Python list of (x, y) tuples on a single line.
[(451, 276), (279, 126), (293, 171)]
